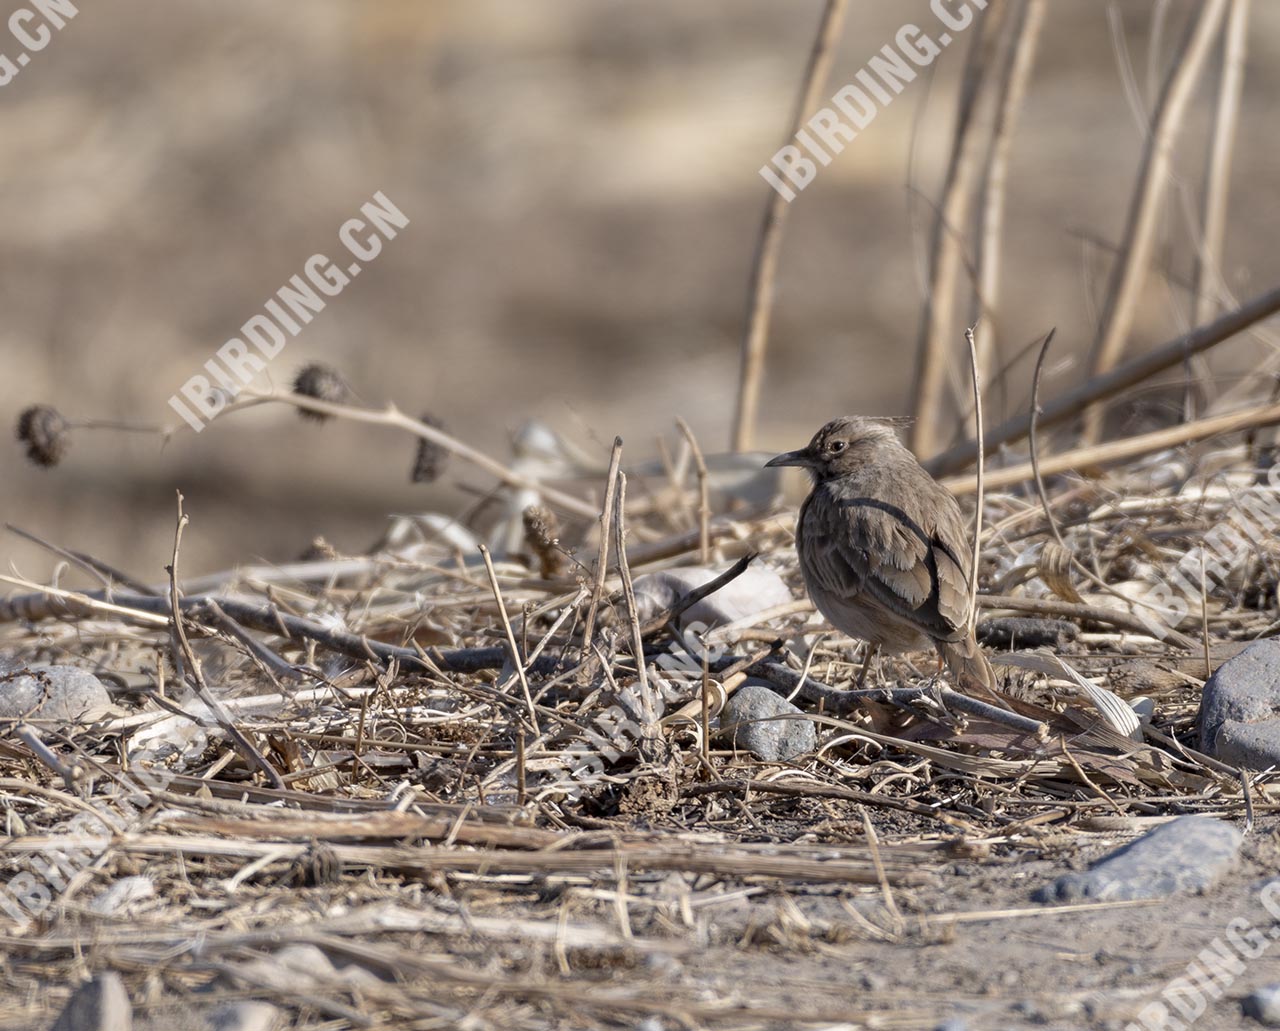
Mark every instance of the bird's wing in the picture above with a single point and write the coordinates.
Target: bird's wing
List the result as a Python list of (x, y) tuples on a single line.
[(864, 551)]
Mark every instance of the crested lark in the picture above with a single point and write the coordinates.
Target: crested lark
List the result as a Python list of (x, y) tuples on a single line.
[(883, 548)]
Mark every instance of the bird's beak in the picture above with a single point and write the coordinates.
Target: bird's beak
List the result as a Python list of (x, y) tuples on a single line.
[(801, 458)]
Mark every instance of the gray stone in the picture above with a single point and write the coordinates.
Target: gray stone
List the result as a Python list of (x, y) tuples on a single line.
[(1255, 746), (1263, 1005), (1239, 718), (52, 693), (772, 740), (98, 1005), (1186, 854), (245, 1016)]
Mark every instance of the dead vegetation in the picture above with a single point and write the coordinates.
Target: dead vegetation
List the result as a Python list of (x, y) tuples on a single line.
[(467, 780), (345, 756)]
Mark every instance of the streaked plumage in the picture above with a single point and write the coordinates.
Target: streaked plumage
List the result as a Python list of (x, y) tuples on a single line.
[(884, 549)]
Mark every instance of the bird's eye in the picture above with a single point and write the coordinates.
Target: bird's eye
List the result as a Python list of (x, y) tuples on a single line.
[(836, 446)]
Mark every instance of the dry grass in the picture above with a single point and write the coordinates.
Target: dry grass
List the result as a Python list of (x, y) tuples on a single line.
[(437, 786), (426, 833)]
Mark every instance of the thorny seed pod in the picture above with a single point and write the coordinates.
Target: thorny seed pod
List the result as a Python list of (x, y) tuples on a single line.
[(324, 383), (541, 535), (45, 433), (431, 458)]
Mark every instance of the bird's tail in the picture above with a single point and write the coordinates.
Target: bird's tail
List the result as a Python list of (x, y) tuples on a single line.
[(971, 669)]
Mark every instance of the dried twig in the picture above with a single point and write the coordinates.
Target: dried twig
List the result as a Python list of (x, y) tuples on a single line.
[(704, 493), (648, 707), (106, 575), (72, 775), (392, 416), (1128, 447), (1093, 613), (184, 655), (1135, 371), (516, 660), (976, 562), (602, 557), (695, 595)]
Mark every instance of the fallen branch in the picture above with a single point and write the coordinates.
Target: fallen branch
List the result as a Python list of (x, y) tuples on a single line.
[(1118, 450), (1135, 371)]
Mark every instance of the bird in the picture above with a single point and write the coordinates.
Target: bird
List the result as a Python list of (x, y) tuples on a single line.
[(883, 549)]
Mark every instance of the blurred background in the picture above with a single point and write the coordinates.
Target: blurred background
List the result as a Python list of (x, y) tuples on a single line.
[(581, 179)]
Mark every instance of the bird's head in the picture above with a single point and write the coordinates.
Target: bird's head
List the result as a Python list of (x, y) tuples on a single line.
[(841, 446)]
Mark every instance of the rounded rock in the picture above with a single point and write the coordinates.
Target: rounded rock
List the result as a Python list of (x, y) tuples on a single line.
[(757, 719)]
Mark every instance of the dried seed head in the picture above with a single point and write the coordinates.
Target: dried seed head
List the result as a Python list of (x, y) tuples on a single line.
[(324, 383), (317, 866), (45, 433), (318, 550), (431, 458), (541, 534)]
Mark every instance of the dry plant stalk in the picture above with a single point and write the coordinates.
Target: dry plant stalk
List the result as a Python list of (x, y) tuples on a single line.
[(602, 558), (184, 656), (946, 249), (1217, 176), (517, 661), (764, 263), (1142, 367), (1015, 75), (648, 707), (704, 493), (1129, 271), (391, 416), (1125, 448), (1056, 558), (976, 562)]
